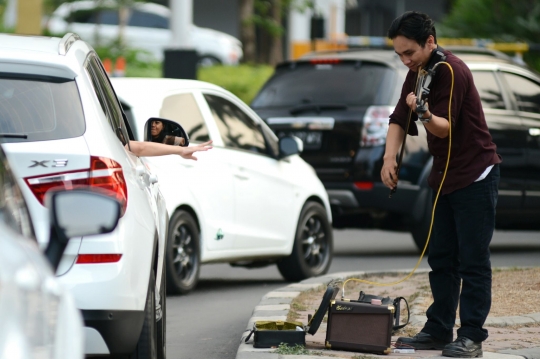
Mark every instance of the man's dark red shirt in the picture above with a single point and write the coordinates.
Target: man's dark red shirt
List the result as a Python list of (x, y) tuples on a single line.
[(472, 147)]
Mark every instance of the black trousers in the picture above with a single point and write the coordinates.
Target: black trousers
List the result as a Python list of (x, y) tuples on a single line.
[(459, 258)]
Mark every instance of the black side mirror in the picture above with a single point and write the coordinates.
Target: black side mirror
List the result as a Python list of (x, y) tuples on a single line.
[(290, 145), (165, 131), (78, 213)]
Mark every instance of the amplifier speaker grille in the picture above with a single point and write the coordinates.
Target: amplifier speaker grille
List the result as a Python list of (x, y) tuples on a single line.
[(365, 328)]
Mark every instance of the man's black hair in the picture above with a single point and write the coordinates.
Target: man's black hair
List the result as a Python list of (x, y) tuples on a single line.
[(413, 25)]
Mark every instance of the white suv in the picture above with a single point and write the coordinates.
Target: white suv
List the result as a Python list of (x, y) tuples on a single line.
[(63, 127), (147, 29)]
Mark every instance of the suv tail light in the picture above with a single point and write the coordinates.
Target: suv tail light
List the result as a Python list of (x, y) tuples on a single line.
[(104, 173), (375, 125)]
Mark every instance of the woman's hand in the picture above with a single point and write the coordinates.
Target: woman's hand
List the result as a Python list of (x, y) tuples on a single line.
[(187, 152)]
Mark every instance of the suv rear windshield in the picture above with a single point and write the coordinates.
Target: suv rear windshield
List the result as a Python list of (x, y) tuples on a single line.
[(347, 83), (38, 110)]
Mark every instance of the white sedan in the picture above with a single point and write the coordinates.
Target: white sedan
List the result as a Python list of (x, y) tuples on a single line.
[(250, 201), (147, 28)]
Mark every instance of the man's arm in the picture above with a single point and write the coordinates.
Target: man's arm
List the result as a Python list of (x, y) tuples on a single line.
[(394, 139), (148, 149)]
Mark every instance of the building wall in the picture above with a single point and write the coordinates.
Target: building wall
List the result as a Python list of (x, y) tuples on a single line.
[(374, 18)]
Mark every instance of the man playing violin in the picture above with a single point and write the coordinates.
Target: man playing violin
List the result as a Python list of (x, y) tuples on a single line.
[(464, 217)]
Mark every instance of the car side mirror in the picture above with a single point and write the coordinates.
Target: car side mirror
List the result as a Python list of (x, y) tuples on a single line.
[(290, 145), (165, 131), (78, 213)]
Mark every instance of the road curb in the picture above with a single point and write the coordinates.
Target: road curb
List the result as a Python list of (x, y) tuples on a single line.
[(275, 305)]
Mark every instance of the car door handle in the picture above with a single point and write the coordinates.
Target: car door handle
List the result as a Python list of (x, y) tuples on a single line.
[(139, 171), (153, 179), (240, 174)]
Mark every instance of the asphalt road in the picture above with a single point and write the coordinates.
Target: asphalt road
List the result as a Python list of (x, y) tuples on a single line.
[(208, 322)]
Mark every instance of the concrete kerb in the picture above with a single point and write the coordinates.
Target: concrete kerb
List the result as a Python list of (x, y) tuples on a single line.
[(275, 305)]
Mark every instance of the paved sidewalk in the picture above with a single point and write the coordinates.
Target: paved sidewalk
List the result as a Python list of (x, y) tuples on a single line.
[(275, 305)]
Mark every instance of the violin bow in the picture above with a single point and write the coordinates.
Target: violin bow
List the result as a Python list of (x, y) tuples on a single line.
[(402, 151)]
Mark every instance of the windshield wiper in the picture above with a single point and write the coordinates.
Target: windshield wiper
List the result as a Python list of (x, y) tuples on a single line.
[(13, 135), (317, 108)]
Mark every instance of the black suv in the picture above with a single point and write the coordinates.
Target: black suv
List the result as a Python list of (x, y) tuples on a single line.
[(338, 104)]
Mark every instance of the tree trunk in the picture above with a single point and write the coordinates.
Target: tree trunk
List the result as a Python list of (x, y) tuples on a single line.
[(276, 43), (247, 30)]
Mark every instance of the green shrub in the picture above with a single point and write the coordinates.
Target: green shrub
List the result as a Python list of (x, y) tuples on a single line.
[(244, 80)]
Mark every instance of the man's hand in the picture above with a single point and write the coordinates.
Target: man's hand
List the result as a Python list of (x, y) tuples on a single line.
[(388, 173), (411, 101)]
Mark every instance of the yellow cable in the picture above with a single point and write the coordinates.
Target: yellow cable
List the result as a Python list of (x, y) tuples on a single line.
[(434, 203)]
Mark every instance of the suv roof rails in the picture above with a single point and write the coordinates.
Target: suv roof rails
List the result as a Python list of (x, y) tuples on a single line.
[(66, 42)]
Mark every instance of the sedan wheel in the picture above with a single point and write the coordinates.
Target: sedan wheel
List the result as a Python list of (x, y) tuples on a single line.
[(183, 253), (313, 245)]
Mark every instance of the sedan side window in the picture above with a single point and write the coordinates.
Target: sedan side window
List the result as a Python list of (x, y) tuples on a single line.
[(236, 128), (143, 19), (526, 91), (489, 90), (183, 109)]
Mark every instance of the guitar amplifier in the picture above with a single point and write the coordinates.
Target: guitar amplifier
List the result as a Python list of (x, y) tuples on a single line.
[(359, 327)]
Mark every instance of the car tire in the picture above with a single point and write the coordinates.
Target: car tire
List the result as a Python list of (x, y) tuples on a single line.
[(146, 346), (183, 253), (162, 323), (208, 60), (313, 245)]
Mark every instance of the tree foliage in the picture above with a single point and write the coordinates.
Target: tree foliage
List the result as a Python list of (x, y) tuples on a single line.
[(500, 20)]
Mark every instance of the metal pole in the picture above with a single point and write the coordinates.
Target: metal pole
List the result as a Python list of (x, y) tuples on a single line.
[(180, 60), (180, 23)]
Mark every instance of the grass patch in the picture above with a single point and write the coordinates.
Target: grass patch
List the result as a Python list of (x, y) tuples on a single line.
[(297, 349), (244, 80), (363, 357)]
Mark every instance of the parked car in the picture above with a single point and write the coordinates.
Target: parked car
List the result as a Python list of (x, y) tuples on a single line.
[(250, 201), (38, 316), (63, 127), (339, 104), (147, 29)]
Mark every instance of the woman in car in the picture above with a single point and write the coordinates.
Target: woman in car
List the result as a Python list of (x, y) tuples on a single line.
[(160, 136)]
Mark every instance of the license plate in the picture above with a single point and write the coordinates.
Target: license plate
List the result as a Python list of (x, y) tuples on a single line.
[(312, 139)]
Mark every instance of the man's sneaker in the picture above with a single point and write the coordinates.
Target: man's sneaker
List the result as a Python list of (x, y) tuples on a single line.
[(463, 348), (422, 341)]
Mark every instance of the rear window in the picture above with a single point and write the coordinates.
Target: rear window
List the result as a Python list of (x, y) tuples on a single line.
[(351, 84), (39, 110)]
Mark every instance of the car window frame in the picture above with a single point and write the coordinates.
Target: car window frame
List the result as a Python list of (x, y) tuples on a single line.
[(502, 87), (200, 102), (516, 72), (107, 98), (270, 150)]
